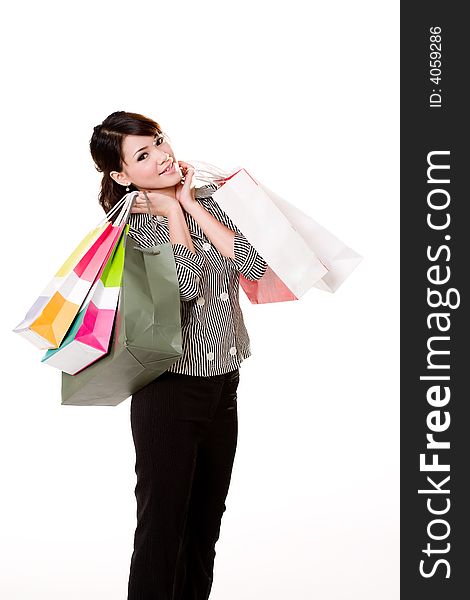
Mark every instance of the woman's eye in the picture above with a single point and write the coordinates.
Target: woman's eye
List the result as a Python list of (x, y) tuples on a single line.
[(158, 141)]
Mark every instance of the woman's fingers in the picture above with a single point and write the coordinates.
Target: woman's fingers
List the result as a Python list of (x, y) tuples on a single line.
[(185, 164), (140, 200), (140, 204), (188, 176), (185, 167)]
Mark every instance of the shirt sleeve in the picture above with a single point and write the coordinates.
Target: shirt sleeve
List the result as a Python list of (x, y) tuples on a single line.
[(189, 266), (247, 260)]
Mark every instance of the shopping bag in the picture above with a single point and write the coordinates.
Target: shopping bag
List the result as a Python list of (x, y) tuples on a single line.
[(339, 259), (299, 252), (90, 333), (48, 320), (146, 338)]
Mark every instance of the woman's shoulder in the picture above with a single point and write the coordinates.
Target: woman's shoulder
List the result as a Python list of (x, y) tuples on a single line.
[(140, 220), (146, 229), (213, 206), (206, 191)]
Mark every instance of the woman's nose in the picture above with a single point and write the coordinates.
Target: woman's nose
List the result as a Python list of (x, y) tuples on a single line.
[(161, 156)]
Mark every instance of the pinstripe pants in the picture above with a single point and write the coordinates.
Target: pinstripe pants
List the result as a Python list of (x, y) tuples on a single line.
[(185, 431)]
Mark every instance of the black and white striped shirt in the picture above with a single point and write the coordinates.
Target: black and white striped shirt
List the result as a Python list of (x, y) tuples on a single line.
[(214, 336)]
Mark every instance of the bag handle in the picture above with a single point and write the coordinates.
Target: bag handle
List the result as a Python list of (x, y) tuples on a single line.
[(121, 205), (154, 250)]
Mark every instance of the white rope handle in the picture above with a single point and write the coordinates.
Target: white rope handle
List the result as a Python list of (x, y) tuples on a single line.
[(122, 206)]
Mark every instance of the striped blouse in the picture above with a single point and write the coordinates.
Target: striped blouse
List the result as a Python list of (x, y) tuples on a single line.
[(214, 336)]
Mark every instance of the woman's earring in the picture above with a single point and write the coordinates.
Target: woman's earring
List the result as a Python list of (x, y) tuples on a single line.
[(127, 188)]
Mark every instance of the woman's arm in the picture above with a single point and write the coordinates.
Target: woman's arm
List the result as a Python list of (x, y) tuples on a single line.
[(189, 264), (218, 227), (178, 228), (219, 234), (228, 239)]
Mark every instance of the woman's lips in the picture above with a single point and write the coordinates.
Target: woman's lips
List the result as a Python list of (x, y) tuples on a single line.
[(171, 169)]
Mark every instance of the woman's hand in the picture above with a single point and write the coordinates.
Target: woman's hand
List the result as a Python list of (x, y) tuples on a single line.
[(185, 194), (160, 204)]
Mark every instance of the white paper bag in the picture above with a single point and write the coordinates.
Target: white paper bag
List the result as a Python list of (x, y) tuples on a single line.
[(299, 251), (339, 259)]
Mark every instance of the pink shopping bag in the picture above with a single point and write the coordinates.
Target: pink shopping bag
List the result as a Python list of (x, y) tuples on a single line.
[(48, 320), (89, 336)]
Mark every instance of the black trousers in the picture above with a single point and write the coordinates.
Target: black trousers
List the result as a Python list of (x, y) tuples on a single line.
[(185, 431)]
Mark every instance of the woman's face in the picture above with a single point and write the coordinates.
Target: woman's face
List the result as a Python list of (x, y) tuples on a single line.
[(145, 158)]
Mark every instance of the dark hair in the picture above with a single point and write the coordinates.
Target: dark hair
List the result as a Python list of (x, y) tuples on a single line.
[(106, 150)]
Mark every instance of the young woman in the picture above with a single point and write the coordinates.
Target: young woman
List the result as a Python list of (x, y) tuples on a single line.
[(184, 423)]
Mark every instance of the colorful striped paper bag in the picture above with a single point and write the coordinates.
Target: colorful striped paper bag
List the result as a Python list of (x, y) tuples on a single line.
[(89, 336), (48, 320)]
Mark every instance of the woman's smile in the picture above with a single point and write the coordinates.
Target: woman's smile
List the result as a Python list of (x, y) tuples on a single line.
[(169, 169)]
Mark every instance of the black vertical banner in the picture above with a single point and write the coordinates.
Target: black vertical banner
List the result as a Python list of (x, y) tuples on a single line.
[(435, 269)]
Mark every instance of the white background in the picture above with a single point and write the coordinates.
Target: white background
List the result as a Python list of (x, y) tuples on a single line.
[(305, 95)]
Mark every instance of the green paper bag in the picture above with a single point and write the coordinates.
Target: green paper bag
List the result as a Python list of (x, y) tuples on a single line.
[(146, 338)]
